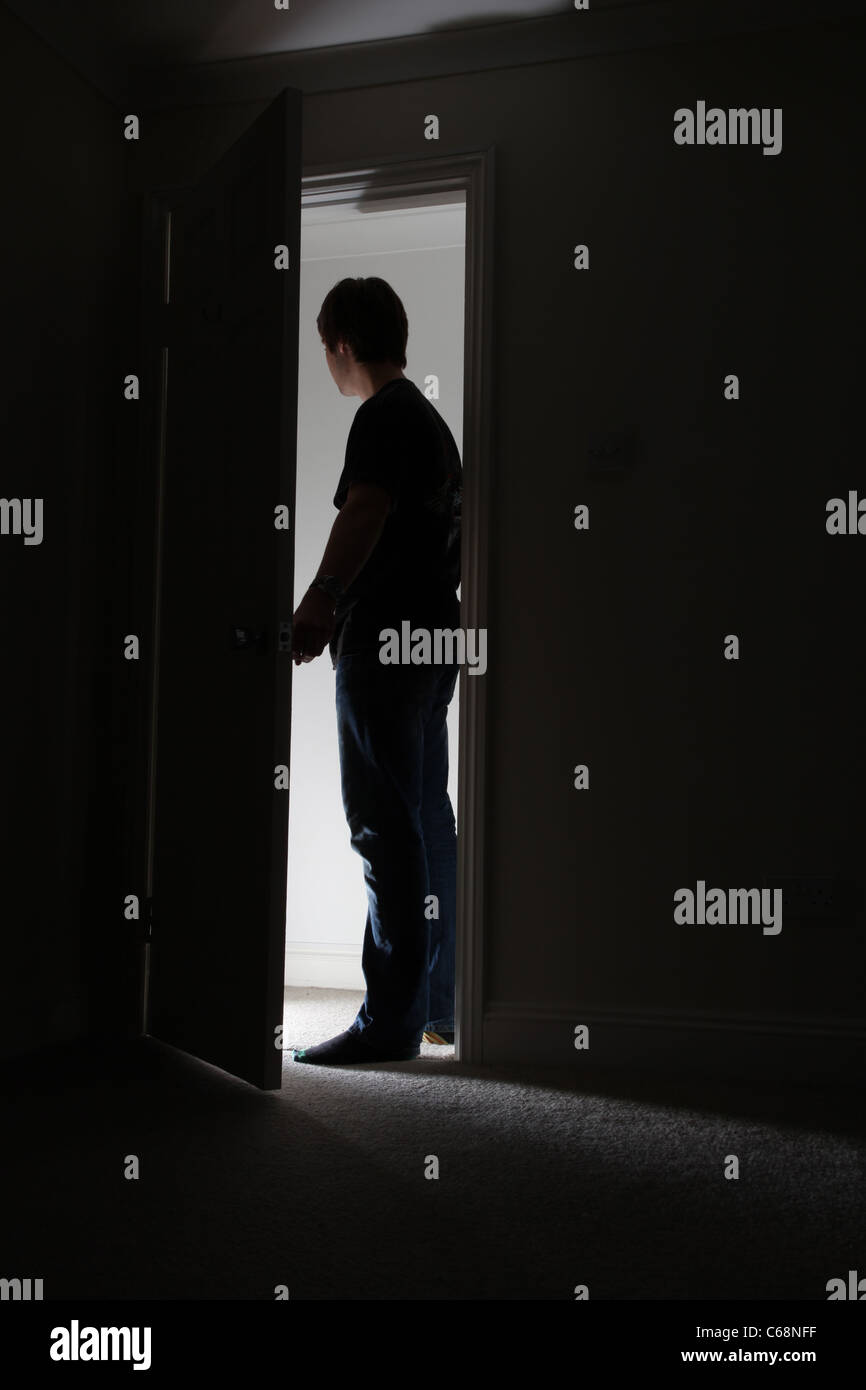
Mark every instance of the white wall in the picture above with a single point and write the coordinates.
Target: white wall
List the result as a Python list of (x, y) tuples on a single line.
[(421, 254)]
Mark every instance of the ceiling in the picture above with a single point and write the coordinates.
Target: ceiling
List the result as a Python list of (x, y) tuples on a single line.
[(154, 49), (174, 32)]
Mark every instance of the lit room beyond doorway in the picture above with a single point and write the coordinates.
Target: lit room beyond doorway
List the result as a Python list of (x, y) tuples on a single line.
[(420, 251)]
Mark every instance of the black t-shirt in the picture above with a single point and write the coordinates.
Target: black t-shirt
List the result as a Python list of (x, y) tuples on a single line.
[(399, 442)]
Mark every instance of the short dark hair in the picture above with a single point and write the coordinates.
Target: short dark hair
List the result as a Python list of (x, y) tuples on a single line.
[(367, 314)]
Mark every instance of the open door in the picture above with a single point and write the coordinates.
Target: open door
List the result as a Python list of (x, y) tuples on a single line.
[(223, 604)]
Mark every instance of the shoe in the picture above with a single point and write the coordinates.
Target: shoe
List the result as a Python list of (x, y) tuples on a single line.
[(445, 1038)]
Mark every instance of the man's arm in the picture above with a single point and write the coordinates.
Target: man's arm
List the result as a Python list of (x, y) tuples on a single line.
[(354, 534)]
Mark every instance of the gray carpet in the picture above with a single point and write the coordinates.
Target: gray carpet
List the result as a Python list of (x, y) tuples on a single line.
[(544, 1183), (313, 1015)]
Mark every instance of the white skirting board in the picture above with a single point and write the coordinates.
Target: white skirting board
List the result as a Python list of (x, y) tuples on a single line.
[(324, 965)]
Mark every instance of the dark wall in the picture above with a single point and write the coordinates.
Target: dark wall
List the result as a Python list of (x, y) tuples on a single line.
[(69, 264), (606, 646)]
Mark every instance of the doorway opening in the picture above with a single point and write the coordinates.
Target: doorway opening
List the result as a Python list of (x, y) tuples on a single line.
[(416, 241)]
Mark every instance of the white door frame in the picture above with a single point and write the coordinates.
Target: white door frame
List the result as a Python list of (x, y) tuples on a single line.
[(472, 172)]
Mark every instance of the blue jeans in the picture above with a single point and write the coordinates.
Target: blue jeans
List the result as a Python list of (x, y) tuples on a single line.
[(393, 743)]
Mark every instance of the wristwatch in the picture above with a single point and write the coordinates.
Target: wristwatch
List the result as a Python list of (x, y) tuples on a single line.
[(330, 585)]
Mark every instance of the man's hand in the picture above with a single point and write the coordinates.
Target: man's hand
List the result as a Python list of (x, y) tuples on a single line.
[(355, 532), (312, 626)]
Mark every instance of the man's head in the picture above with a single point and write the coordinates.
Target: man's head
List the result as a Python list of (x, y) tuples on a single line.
[(362, 324)]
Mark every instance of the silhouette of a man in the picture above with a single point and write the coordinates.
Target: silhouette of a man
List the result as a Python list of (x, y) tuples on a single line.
[(393, 555)]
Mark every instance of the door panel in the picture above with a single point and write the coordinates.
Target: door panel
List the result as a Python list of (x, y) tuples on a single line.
[(223, 686)]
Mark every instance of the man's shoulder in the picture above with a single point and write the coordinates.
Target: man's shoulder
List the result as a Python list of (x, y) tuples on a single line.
[(396, 412), (395, 396)]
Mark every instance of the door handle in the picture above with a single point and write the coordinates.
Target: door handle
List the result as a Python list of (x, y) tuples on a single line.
[(243, 638)]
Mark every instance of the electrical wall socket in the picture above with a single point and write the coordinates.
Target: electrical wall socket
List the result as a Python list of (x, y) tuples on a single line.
[(816, 899)]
